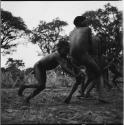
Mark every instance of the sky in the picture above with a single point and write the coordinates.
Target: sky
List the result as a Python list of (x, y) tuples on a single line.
[(33, 11)]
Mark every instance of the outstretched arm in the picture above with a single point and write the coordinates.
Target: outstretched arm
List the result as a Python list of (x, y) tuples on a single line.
[(73, 70), (65, 67)]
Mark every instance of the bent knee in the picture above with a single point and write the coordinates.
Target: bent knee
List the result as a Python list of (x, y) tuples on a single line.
[(78, 80), (41, 87), (98, 71), (95, 70)]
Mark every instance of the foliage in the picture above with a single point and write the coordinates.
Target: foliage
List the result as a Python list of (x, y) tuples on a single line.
[(107, 23), (11, 63), (28, 70), (47, 34), (9, 80), (15, 77), (13, 67), (57, 79), (12, 28), (6, 80)]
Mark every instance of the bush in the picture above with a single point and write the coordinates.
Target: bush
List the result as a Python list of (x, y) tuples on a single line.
[(6, 80), (54, 80), (58, 80)]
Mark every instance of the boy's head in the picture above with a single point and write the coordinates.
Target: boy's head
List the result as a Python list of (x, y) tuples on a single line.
[(63, 47), (80, 21)]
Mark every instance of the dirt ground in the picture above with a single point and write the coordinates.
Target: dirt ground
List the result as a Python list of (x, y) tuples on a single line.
[(49, 108)]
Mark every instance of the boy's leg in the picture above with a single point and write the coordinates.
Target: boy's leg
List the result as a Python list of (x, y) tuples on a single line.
[(94, 74), (41, 78), (81, 93), (21, 89), (74, 88)]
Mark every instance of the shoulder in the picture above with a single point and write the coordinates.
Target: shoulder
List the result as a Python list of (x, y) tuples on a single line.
[(86, 28), (55, 55), (70, 34)]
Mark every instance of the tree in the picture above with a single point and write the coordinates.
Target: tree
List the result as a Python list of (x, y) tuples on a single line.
[(14, 66), (12, 28), (11, 63), (107, 23), (47, 34)]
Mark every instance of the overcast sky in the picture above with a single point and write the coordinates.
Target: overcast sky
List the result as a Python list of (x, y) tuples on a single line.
[(34, 11)]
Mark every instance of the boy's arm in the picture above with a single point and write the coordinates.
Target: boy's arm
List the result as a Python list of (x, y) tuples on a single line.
[(78, 70), (74, 70), (65, 67), (64, 64)]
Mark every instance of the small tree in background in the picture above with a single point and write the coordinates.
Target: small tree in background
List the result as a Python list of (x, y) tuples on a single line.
[(14, 66), (47, 34), (11, 63), (12, 76)]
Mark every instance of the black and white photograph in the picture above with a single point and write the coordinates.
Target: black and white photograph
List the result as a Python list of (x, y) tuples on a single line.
[(61, 62)]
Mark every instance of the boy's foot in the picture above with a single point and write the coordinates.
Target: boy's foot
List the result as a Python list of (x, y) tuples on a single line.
[(80, 95), (27, 101), (88, 96), (67, 100), (20, 91), (102, 101)]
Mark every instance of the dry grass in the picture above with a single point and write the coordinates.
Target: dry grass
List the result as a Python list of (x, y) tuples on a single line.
[(49, 107), (53, 80)]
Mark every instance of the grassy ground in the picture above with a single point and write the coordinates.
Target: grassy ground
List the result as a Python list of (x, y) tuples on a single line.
[(48, 107)]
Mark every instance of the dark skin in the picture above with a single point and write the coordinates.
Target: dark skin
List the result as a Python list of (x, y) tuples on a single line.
[(104, 73), (48, 62), (80, 49), (111, 66), (117, 74)]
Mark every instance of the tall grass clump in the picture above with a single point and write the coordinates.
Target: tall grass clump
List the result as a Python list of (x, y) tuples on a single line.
[(54, 80), (6, 80)]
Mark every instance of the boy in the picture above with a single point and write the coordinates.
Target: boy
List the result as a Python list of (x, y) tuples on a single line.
[(50, 62)]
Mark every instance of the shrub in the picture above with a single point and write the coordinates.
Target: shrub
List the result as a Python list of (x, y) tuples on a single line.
[(6, 80), (54, 80)]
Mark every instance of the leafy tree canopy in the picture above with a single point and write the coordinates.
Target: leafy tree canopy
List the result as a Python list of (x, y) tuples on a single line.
[(11, 63), (47, 34), (107, 23), (13, 66), (12, 28)]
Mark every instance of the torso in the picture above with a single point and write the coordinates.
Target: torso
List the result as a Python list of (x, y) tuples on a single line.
[(79, 39), (48, 62)]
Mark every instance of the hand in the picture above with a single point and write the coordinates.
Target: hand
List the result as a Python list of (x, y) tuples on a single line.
[(83, 71), (80, 74)]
